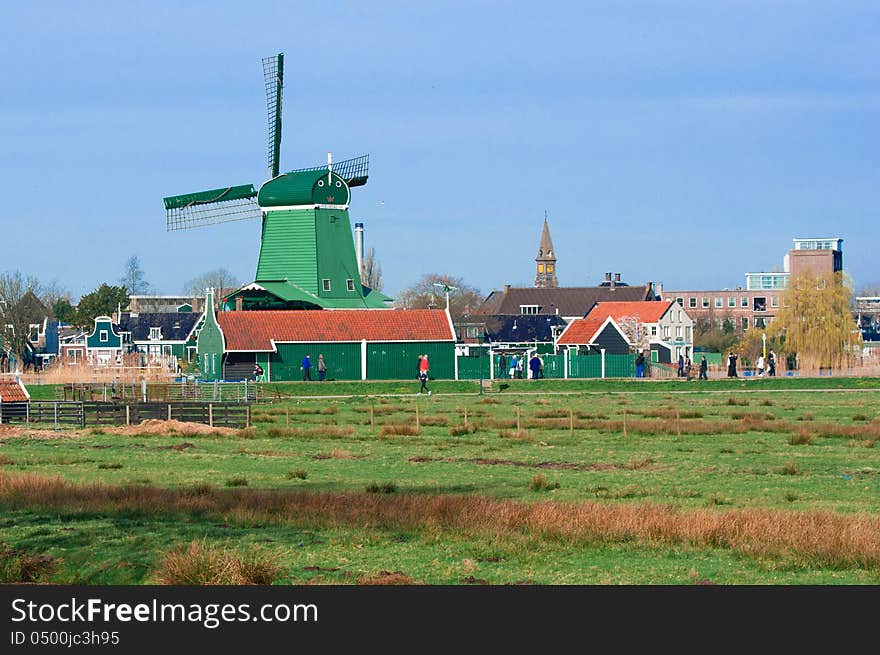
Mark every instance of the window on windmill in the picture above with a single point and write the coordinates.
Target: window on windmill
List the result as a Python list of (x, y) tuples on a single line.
[(349, 285), (325, 284)]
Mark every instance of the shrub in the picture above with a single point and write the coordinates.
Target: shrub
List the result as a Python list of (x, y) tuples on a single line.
[(297, 474), (201, 563), (801, 437), (517, 435), (540, 483), (237, 481), (17, 567), (396, 428), (384, 488), (458, 430), (4, 460), (246, 433), (790, 468), (110, 465), (861, 417), (740, 402)]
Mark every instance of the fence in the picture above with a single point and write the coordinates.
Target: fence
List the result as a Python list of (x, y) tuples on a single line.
[(80, 414), (245, 391)]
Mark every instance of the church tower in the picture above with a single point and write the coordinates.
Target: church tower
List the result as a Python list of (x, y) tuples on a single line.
[(545, 275)]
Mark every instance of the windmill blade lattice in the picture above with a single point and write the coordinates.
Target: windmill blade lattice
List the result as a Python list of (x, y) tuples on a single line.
[(273, 74), (354, 171), (191, 210)]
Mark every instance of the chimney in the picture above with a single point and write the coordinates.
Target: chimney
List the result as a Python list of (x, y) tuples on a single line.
[(506, 288), (613, 283), (658, 289), (608, 277), (617, 277), (238, 303), (359, 245)]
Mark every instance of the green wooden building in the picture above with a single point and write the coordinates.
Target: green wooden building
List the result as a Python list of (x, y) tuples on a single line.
[(356, 344)]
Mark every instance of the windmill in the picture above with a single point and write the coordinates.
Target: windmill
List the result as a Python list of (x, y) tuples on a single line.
[(307, 254)]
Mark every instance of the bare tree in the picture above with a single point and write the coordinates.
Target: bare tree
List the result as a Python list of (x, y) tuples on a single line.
[(463, 298), (219, 279), (133, 277), (371, 271), (15, 313)]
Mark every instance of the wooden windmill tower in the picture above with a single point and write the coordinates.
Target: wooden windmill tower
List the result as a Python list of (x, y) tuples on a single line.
[(307, 254)]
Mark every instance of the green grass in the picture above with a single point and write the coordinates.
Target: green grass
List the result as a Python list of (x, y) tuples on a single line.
[(749, 461)]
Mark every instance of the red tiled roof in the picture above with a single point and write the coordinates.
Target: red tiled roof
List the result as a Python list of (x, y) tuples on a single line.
[(581, 331), (255, 330), (646, 311), (12, 392)]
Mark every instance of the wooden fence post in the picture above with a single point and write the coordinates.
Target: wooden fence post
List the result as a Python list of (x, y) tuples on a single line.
[(570, 421), (677, 422), (418, 424), (247, 416), (517, 419), (624, 421), (465, 418), (127, 414), (372, 418), (211, 414), (169, 411)]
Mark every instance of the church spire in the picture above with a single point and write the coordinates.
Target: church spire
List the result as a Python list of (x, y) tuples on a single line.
[(545, 262)]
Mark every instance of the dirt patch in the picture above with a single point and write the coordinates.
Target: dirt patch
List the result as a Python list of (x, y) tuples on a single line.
[(386, 578), (186, 445), (158, 427)]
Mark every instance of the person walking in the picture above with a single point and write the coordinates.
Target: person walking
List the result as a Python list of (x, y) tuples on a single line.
[(258, 371), (534, 365), (681, 366), (731, 365), (423, 374), (640, 365), (704, 365), (688, 368), (322, 368), (306, 367), (520, 365), (502, 365), (513, 364), (771, 364), (759, 365), (540, 367)]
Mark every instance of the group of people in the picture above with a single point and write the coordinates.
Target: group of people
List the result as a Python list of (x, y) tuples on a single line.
[(305, 366), (762, 366), (514, 366)]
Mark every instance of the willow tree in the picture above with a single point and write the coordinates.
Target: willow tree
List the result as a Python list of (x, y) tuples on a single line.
[(816, 321)]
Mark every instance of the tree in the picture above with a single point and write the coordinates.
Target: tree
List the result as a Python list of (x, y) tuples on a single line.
[(51, 292), (103, 301), (16, 313), (816, 321), (63, 310), (371, 271), (219, 279), (463, 298), (133, 277)]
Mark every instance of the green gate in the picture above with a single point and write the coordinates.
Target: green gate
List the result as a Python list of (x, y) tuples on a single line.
[(620, 366), (343, 360), (400, 360), (554, 366), (585, 366), (469, 367)]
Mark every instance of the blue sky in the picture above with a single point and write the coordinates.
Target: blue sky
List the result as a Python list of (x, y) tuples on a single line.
[(683, 142)]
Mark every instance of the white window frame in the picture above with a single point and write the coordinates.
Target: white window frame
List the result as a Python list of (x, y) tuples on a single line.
[(692, 303), (349, 283), (719, 302), (731, 302), (103, 336), (529, 310), (155, 334), (325, 284), (704, 302)]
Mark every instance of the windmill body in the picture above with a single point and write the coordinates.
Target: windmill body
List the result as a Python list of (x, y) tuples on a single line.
[(307, 255)]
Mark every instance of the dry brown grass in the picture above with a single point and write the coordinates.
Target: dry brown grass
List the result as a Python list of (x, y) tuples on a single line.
[(434, 420), (322, 431), (202, 563), (385, 578), (20, 567), (820, 538), (338, 453), (801, 437), (401, 429), (5, 460), (459, 430), (516, 435)]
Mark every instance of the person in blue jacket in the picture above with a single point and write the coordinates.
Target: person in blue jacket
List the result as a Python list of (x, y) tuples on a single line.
[(306, 368)]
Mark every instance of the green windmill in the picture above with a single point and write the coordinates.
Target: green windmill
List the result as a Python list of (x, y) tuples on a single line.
[(307, 252)]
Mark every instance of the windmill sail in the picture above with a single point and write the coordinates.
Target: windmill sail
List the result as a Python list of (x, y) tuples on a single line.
[(354, 171), (273, 74), (224, 205)]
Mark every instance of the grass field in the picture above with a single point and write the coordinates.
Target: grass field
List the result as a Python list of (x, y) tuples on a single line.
[(587, 482)]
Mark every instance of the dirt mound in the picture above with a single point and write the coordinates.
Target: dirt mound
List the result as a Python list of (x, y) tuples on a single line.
[(158, 427)]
